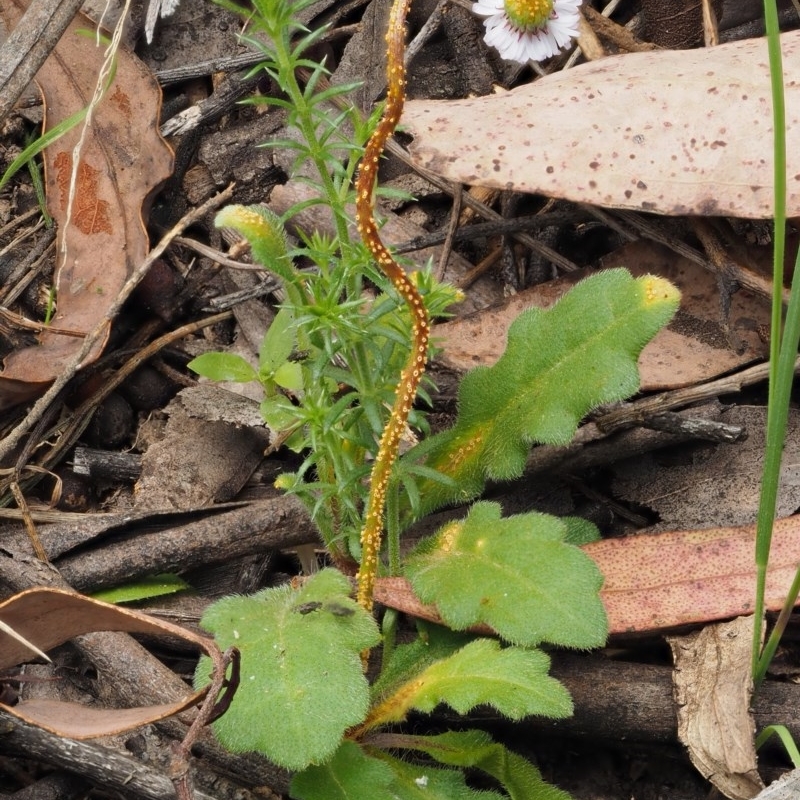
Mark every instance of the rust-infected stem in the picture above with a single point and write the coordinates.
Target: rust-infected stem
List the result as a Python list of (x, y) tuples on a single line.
[(372, 531)]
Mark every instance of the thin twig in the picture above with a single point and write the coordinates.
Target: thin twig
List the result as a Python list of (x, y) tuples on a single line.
[(14, 438), (216, 255), (637, 412), (29, 45), (425, 32), (452, 227)]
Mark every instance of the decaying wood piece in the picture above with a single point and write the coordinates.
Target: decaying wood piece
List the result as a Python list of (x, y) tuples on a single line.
[(127, 547), (787, 788), (100, 765), (617, 700)]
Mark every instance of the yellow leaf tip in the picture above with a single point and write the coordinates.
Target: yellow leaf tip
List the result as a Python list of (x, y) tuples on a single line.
[(659, 290)]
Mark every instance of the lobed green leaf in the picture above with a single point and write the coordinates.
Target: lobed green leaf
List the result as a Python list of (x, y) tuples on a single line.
[(302, 683), (559, 364), (350, 775), (353, 774), (476, 749), (513, 680), (518, 575)]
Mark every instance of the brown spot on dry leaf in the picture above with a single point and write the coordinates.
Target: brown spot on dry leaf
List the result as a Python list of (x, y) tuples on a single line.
[(648, 120)]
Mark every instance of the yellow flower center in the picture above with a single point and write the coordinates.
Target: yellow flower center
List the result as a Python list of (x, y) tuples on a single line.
[(528, 15)]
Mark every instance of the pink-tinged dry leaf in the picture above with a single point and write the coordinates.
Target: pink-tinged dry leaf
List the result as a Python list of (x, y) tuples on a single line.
[(713, 688), (123, 161), (672, 132), (49, 617), (654, 582), (693, 348)]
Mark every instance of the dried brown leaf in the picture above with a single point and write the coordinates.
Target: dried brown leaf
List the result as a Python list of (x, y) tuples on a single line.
[(49, 617), (713, 688), (123, 161), (714, 484), (672, 132), (694, 348)]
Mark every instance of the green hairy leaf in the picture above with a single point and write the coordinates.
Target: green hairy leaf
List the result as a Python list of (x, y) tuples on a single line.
[(302, 682), (266, 234), (517, 575), (352, 774), (511, 679), (289, 375), (433, 644), (559, 364), (517, 776), (425, 782)]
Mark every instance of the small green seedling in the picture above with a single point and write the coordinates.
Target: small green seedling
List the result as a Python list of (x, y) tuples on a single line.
[(329, 366)]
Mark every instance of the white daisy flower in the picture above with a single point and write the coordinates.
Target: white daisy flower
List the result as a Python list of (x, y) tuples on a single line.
[(528, 30)]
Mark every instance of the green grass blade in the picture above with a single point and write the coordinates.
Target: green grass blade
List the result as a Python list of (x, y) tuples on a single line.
[(783, 349), (782, 732), (36, 147)]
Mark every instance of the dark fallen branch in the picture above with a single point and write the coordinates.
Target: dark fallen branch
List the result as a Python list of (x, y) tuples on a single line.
[(101, 766)]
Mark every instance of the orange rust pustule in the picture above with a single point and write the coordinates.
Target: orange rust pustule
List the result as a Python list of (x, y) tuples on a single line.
[(411, 375)]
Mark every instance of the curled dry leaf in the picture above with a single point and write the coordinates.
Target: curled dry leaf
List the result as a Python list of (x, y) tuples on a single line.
[(672, 132), (123, 161), (49, 617), (713, 688), (654, 582)]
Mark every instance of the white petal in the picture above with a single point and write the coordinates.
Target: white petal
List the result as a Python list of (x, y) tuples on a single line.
[(487, 8), (562, 34), (542, 46)]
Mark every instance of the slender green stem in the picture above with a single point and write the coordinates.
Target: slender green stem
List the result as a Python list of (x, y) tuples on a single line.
[(308, 129), (780, 626)]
